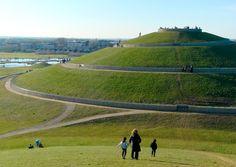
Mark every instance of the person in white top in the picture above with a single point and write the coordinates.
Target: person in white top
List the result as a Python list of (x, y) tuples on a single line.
[(124, 145)]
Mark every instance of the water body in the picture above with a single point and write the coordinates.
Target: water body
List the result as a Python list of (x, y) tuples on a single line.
[(10, 63)]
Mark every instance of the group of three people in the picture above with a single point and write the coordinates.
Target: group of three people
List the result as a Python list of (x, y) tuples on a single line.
[(135, 140)]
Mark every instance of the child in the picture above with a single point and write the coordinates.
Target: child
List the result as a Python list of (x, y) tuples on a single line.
[(124, 145), (154, 147)]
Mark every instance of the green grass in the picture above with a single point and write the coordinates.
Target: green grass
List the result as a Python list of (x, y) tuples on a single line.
[(173, 131), (8, 71), (174, 37), (20, 112), (29, 55), (107, 156), (133, 87), (218, 56)]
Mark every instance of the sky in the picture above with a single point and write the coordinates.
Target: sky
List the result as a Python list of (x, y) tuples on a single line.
[(113, 18)]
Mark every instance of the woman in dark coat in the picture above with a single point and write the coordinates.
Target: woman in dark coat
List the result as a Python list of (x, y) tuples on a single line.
[(135, 139)]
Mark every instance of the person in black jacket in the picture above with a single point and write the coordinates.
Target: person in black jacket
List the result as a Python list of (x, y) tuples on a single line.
[(154, 147), (135, 140)]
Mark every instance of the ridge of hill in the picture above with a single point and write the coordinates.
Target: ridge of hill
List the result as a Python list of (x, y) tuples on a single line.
[(174, 37), (148, 51)]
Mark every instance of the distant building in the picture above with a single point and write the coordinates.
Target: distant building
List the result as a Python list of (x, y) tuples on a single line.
[(53, 45)]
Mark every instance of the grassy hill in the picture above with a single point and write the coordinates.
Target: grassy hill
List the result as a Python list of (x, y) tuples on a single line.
[(145, 87), (218, 56), (207, 56), (174, 37), (193, 139), (133, 87), (184, 139)]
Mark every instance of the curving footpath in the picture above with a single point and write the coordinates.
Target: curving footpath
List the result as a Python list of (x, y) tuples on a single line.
[(56, 122), (70, 123), (51, 123), (213, 70), (10, 86)]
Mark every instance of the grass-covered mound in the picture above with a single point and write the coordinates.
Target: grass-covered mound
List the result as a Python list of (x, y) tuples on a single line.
[(217, 56), (133, 87), (174, 37)]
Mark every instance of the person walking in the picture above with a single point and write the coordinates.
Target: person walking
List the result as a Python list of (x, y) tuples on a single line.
[(154, 147), (135, 140), (124, 145)]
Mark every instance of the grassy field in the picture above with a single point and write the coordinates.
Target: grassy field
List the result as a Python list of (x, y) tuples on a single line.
[(183, 139), (19, 112), (108, 156), (174, 37), (19, 55), (8, 71), (220, 56), (133, 87)]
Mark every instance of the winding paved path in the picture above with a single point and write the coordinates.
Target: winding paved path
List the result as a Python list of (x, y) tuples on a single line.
[(10, 75), (10, 86), (69, 108), (176, 70), (69, 123), (56, 122)]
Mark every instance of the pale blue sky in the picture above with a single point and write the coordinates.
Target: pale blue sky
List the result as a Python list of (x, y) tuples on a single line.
[(113, 18)]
